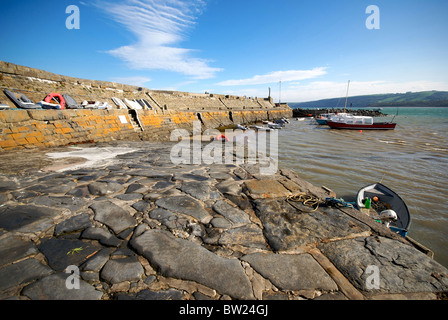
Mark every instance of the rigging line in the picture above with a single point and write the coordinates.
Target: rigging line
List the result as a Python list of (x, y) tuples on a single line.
[(346, 97)]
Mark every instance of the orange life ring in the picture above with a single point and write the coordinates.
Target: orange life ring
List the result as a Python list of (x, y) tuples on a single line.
[(59, 98)]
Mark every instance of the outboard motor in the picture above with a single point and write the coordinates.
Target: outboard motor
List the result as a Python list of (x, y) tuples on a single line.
[(388, 216)]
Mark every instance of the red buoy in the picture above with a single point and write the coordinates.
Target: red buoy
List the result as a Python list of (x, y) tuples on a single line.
[(221, 138)]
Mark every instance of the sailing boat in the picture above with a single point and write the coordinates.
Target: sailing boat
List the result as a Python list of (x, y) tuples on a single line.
[(336, 116), (351, 122)]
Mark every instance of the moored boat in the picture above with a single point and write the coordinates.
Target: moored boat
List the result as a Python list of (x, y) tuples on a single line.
[(359, 123), (241, 127), (261, 128), (386, 206), (322, 119), (273, 125)]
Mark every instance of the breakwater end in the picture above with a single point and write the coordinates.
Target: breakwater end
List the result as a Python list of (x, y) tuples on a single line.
[(136, 226), (298, 113), (161, 112)]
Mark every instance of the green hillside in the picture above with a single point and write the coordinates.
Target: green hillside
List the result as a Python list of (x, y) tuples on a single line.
[(408, 99)]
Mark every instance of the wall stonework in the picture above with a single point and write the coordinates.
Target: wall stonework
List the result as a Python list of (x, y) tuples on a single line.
[(170, 110)]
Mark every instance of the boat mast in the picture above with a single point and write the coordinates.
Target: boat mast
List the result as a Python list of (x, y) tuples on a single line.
[(280, 92), (346, 97)]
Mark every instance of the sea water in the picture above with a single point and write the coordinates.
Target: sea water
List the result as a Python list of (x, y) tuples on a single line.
[(412, 160)]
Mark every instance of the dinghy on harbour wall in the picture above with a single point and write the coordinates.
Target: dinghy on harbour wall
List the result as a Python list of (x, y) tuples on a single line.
[(56, 97), (71, 103), (21, 100), (4, 106)]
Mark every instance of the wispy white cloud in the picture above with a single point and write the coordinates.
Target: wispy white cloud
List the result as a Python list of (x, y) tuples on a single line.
[(159, 26), (133, 81), (276, 76)]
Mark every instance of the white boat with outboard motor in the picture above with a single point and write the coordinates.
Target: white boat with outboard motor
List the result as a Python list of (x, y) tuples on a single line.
[(385, 206)]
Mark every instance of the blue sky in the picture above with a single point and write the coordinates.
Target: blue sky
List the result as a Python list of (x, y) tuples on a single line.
[(240, 47)]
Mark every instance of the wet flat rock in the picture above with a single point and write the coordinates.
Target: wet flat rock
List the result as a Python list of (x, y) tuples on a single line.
[(261, 189), (185, 205), (27, 218), (104, 188), (402, 268), (102, 235), (186, 260), (286, 228), (235, 215), (247, 236), (54, 287), (60, 253), (170, 219), (170, 294), (71, 203), (113, 216), (76, 223), (22, 272), (97, 262), (124, 269), (14, 248), (199, 190), (291, 272)]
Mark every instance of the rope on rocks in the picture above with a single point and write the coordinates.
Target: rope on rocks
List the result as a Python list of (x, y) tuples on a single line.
[(338, 203), (314, 202), (306, 199)]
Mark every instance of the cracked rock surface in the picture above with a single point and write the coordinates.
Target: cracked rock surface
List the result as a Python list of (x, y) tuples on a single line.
[(142, 228)]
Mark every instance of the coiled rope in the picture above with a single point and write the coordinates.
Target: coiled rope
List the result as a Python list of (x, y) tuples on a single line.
[(314, 202), (306, 199)]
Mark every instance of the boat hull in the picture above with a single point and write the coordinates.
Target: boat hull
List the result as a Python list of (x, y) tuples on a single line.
[(355, 126), (321, 121), (393, 200)]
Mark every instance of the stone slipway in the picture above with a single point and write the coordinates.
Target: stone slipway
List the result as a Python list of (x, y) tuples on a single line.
[(142, 228)]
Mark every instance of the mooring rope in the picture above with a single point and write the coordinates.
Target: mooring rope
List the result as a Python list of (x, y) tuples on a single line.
[(314, 202), (306, 199)]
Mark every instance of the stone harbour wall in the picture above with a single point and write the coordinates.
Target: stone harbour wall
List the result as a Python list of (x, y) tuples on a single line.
[(170, 110)]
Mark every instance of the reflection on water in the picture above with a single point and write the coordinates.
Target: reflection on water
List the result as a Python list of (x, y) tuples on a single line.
[(412, 160)]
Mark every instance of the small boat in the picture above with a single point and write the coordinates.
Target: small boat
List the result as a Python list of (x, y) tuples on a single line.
[(132, 104), (272, 125), (49, 105), (21, 100), (261, 128), (96, 105), (388, 207), (71, 103), (281, 122), (104, 105), (57, 98), (4, 106), (241, 127), (338, 116), (275, 126), (322, 119), (120, 104), (359, 123)]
